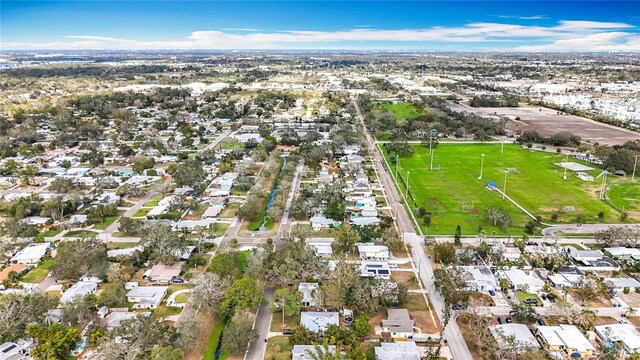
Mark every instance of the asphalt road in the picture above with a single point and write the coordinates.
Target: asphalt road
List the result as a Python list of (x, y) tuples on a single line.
[(456, 343), (262, 325), (584, 228)]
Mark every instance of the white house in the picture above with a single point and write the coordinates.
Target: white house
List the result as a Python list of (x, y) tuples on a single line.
[(321, 222), (524, 339), (523, 281), (31, 254), (78, 290), (146, 297), (318, 321), (624, 334), (398, 323), (565, 339), (480, 278), (624, 253), (376, 269), (304, 352), (404, 350), (620, 284), (373, 252), (311, 294)]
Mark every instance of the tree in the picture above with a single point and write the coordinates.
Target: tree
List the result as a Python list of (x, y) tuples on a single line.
[(346, 239), (223, 264), (189, 173), (208, 290), (141, 164), (322, 352), (135, 337), (344, 287), (451, 282), (524, 313), (54, 342), (287, 302), (166, 353), (17, 311), (457, 237), (129, 226), (61, 185), (162, 244), (586, 291), (361, 326), (243, 294), (81, 257), (444, 253), (498, 216), (79, 311), (239, 333), (112, 295), (295, 262)]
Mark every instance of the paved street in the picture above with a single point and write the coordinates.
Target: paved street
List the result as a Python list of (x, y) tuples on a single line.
[(452, 333), (263, 322)]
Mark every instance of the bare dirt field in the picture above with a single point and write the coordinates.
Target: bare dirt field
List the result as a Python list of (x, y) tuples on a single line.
[(547, 122)]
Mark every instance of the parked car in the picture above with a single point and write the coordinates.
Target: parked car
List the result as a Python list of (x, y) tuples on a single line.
[(177, 280), (500, 321), (623, 321), (508, 319), (287, 332), (541, 322), (458, 306), (530, 301), (543, 296), (492, 293), (551, 298)]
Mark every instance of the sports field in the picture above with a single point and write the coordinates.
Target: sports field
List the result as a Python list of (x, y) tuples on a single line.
[(456, 196), (401, 110), (626, 195)]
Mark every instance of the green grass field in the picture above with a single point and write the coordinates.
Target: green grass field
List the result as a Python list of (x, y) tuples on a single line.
[(625, 196), (81, 233), (402, 110), (453, 191), (39, 273)]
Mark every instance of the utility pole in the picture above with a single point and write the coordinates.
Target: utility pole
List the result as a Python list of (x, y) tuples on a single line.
[(635, 163), (481, 166), (566, 159), (397, 164), (504, 190), (406, 189), (502, 145), (431, 166)]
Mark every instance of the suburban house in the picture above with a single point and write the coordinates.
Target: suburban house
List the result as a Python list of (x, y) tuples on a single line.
[(564, 339), (523, 281), (398, 324), (78, 290), (624, 253), (511, 253), (163, 274), (524, 339), (306, 352), (319, 321), (322, 246), (373, 252), (621, 283), (480, 278), (31, 254), (404, 350), (376, 269), (625, 335), (115, 318), (559, 281), (311, 294), (19, 350), (146, 297), (319, 221)]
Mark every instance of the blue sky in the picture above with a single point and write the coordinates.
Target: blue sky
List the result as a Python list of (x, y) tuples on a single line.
[(426, 25)]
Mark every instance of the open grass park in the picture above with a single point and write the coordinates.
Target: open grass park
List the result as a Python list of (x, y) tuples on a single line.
[(455, 195), (401, 110)]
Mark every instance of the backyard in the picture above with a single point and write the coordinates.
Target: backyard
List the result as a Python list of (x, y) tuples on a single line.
[(39, 273), (455, 195)]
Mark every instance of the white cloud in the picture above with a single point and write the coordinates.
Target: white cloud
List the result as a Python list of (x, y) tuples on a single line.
[(532, 17), (573, 35)]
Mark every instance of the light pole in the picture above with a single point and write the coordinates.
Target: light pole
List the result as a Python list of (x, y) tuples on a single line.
[(504, 190), (502, 146), (431, 166), (635, 163), (397, 164), (566, 160), (406, 188), (481, 166)]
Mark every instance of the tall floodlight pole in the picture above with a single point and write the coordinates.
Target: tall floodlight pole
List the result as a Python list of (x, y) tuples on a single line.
[(566, 160), (502, 146), (481, 166), (504, 190), (397, 164), (431, 166), (635, 163), (406, 191)]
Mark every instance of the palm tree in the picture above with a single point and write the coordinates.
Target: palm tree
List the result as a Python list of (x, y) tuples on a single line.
[(322, 352), (631, 311)]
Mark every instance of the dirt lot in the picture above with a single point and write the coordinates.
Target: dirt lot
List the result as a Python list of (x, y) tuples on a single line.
[(632, 299), (547, 122)]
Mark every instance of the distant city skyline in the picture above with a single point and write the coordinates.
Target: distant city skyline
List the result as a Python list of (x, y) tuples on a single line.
[(293, 25)]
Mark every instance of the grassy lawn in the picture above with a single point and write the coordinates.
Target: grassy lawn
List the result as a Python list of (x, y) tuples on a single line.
[(108, 220), (278, 348), (120, 245), (625, 195), (51, 233), (523, 295), (229, 211), (214, 339), (164, 311), (402, 110), (182, 298), (200, 209), (141, 213), (290, 322), (220, 228), (81, 233), (154, 201), (175, 287), (234, 191), (537, 185), (39, 273)]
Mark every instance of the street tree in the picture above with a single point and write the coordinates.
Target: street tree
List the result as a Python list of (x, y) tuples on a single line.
[(239, 333), (286, 302), (208, 290), (451, 282), (243, 294)]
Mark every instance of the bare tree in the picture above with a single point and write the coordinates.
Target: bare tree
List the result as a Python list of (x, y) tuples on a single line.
[(209, 290)]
